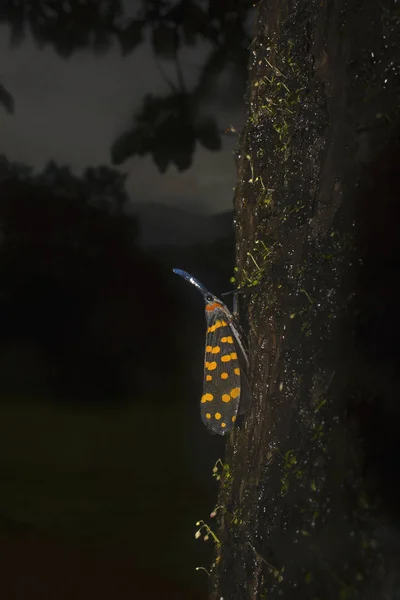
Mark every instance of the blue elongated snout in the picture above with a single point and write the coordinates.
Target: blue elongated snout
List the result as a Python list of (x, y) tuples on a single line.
[(204, 291)]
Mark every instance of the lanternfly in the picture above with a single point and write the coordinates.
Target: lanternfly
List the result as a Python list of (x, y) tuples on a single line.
[(226, 392)]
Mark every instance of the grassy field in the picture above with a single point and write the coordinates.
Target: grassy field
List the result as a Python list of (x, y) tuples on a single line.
[(99, 476)]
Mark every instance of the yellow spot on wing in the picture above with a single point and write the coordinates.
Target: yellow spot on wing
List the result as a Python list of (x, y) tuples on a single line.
[(208, 348), (226, 398), (208, 415), (218, 416), (226, 358), (227, 340), (224, 375), (233, 355), (215, 350), (208, 378), (235, 392), (211, 366), (233, 418), (236, 371), (217, 325), (207, 398), (223, 424)]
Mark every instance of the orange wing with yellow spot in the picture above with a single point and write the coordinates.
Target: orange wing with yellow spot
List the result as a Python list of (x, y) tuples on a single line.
[(223, 376)]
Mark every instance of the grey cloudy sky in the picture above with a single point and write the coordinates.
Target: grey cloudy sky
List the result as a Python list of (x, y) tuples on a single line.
[(72, 110)]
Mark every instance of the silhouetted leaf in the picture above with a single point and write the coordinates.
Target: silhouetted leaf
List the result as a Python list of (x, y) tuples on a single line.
[(195, 21), (6, 99), (136, 141), (165, 40), (175, 138), (175, 14), (131, 36), (222, 8), (13, 13), (161, 158), (183, 159), (208, 134), (163, 128), (102, 42)]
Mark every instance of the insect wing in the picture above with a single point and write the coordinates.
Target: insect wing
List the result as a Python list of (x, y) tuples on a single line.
[(222, 375), (246, 397)]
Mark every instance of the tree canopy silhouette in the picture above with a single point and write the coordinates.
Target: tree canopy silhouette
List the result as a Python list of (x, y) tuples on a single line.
[(73, 282), (167, 128)]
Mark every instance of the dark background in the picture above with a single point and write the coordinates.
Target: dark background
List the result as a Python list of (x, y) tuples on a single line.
[(114, 169)]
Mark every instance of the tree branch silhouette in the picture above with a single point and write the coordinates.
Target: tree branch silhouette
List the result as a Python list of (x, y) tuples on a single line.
[(157, 127)]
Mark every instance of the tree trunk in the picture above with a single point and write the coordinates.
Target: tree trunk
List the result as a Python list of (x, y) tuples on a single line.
[(309, 490)]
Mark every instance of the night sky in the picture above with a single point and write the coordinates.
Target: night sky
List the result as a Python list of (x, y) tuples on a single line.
[(105, 466)]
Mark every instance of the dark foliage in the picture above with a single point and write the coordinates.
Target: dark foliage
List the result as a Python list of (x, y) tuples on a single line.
[(76, 286), (167, 128), (6, 100)]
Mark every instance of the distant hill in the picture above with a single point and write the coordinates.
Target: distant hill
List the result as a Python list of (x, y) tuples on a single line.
[(162, 225)]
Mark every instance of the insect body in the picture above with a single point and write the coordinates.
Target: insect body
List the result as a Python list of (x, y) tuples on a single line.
[(226, 392)]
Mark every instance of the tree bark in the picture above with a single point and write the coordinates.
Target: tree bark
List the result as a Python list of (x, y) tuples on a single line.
[(308, 504)]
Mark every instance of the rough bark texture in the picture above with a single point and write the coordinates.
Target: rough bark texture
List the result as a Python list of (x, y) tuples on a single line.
[(309, 491)]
